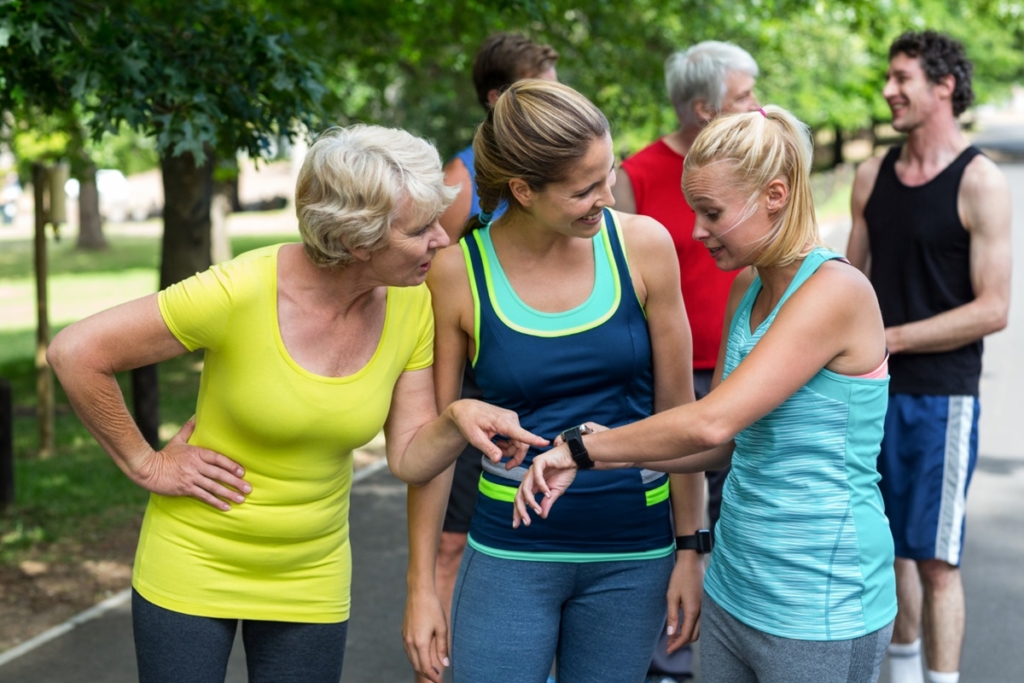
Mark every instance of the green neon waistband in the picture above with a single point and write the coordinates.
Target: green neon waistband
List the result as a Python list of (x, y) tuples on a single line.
[(507, 494)]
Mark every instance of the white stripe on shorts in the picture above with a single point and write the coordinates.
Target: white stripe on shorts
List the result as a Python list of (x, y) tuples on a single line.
[(959, 422)]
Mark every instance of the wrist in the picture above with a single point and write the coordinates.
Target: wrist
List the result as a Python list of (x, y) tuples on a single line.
[(698, 543), (419, 582), (573, 439)]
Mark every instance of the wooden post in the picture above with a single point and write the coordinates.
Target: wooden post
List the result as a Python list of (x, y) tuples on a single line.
[(44, 377), (6, 444)]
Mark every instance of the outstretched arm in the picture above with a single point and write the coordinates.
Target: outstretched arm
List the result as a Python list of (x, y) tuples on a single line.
[(832, 322), (85, 357)]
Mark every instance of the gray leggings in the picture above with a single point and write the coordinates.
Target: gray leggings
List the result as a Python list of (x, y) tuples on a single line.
[(732, 652)]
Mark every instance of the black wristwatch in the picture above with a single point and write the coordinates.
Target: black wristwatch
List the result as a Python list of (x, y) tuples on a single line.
[(573, 438), (700, 541)]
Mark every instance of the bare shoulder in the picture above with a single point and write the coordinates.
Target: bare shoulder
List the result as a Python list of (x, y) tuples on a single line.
[(448, 274), (864, 180), (455, 172), (984, 199), (842, 286), (983, 180), (643, 233)]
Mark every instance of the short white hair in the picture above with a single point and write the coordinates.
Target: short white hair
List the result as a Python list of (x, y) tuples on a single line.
[(353, 182), (699, 73)]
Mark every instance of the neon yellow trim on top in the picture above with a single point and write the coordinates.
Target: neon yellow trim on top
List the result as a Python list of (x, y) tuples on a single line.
[(506, 494), (656, 495), (625, 255), (476, 302), (617, 283)]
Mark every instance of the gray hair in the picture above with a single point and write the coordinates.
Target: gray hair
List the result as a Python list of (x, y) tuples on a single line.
[(699, 73), (352, 184)]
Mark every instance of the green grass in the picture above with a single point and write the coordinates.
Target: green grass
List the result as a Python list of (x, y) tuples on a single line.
[(79, 492)]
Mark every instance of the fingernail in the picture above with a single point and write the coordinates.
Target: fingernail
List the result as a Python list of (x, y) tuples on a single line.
[(247, 488), (446, 662), (241, 471), (671, 629)]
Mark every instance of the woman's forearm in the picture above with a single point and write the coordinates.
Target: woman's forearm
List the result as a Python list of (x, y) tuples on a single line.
[(676, 433), (714, 459), (425, 511), (433, 449), (100, 405)]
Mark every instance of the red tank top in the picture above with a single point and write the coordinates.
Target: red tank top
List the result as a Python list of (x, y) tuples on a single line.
[(656, 173)]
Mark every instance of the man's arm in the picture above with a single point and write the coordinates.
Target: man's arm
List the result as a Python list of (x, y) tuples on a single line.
[(622, 190), (858, 248), (985, 210)]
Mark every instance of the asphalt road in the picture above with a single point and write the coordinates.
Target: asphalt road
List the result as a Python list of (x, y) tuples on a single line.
[(100, 649)]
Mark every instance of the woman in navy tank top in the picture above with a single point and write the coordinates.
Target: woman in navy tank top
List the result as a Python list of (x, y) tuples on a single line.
[(570, 314), (800, 588)]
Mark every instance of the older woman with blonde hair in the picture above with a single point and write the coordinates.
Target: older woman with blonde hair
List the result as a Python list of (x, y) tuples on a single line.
[(310, 349), (800, 588)]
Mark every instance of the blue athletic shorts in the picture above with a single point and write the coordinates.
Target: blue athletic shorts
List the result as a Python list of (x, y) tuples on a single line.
[(927, 459)]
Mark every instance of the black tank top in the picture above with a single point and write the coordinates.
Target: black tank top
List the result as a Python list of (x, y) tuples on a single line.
[(920, 267)]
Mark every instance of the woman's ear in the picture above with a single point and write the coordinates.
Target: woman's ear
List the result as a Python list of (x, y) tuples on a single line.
[(776, 195), (521, 190)]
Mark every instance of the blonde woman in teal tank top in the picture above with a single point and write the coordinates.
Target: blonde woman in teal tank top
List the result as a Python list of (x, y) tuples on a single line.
[(800, 588)]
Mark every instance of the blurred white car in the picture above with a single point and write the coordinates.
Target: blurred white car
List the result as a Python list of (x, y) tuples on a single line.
[(9, 196)]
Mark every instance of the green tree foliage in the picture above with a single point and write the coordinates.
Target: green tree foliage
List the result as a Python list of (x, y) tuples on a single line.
[(407, 62)]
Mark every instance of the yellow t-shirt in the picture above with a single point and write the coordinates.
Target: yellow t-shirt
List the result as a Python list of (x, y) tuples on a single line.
[(283, 554)]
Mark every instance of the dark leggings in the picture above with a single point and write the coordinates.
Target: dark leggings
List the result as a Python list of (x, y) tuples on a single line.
[(171, 647)]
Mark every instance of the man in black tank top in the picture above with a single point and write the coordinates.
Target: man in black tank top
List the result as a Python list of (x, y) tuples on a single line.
[(931, 228)]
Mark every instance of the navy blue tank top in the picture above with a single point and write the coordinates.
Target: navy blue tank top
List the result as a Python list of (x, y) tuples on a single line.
[(600, 372), (920, 267)]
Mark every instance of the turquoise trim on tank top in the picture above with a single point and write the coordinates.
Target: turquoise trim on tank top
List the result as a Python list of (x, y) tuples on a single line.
[(517, 315), (541, 556)]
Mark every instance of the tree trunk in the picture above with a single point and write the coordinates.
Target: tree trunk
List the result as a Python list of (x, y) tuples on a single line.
[(146, 400), (837, 148), (90, 223), (188, 193)]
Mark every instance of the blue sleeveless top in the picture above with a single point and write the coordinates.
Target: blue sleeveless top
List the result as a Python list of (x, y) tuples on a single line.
[(468, 159), (592, 363), (803, 548)]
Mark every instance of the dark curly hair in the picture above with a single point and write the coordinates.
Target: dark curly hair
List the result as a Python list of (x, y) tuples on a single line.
[(940, 56)]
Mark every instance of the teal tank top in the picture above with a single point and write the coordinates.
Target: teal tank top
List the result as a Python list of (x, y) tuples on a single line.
[(803, 548)]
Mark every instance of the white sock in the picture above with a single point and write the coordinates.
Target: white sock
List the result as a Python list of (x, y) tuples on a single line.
[(905, 662), (943, 677)]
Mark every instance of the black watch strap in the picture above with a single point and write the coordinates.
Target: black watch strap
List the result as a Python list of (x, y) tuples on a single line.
[(700, 541), (573, 438)]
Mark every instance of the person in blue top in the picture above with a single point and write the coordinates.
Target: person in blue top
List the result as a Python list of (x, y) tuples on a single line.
[(800, 588), (501, 60), (604, 342)]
